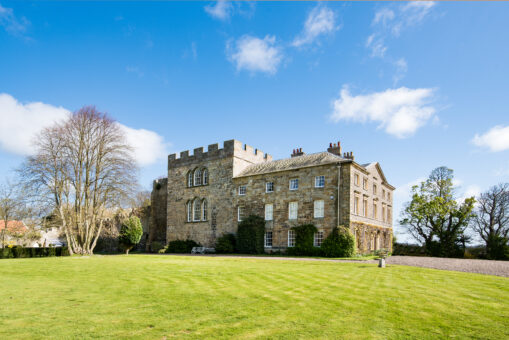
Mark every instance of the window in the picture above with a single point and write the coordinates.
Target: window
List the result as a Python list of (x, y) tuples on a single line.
[(374, 189), (189, 211), (190, 179), (318, 239), (292, 210), (319, 209), (291, 238), (383, 213), (356, 205), (389, 196), (242, 190), (389, 215), (240, 213), (374, 210), (197, 177), (268, 212), (268, 239), (365, 207), (269, 187), (383, 193), (196, 209), (365, 183), (205, 176), (356, 179), (294, 184), (319, 181), (204, 210)]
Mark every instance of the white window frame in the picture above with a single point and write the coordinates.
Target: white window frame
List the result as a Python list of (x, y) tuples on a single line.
[(318, 238), (319, 209), (242, 190), (269, 212), (190, 177), (267, 185), (196, 210), (204, 210), (319, 181), (240, 213), (266, 239), (291, 238), (205, 177), (197, 177), (189, 206), (295, 210), (294, 184)]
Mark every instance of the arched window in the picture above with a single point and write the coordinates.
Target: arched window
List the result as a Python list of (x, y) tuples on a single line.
[(190, 179), (197, 177), (204, 210), (196, 209), (205, 175), (189, 206)]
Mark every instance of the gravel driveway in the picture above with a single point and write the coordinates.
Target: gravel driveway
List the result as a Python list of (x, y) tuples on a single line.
[(498, 268)]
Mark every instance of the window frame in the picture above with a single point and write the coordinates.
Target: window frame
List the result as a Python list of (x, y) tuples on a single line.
[(320, 181), (364, 183), (356, 179), (265, 239), (189, 207), (240, 213), (318, 241), (296, 205), (296, 181), (271, 211), (292, 238), (317, 208), (267, 191), (204, 210), (197, 209), (197, 178), (190, 179), (205, 176), (240, 190)]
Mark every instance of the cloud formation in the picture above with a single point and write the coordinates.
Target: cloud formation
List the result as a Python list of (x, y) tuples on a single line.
[(254, 54), (221, 10), (496, 139), (400, 112), (21, 123), (12, 24), (320, 21)]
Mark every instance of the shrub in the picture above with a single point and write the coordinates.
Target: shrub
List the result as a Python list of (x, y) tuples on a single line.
[(20, 252), (497, 248), (130, 233), (250, 235), (340, 243), (226, 244), (304, 241), (156, 246), (181, 247)]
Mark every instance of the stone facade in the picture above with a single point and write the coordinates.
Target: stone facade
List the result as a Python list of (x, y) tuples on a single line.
[(208, 192)]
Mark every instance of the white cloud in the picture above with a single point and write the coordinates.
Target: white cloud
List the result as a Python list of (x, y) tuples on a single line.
[(399, 111), (21, 123), (377, 46), (220, 10), (321, 20), (383, 15), (412, 13), (496, 139), (12, 24), (254, 54), (471, 190), (401, 69)]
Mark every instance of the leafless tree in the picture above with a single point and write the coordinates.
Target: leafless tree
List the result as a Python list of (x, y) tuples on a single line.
[(82, 168), (491, 222)]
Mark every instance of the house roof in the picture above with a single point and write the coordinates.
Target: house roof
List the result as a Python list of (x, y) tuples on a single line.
[(13, 226), (304, 161)]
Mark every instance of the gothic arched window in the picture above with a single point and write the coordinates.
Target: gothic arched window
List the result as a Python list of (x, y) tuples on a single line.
[(197, 177), (190, 179), (204, 210), (189, 206), (196, 209), (205, 176)]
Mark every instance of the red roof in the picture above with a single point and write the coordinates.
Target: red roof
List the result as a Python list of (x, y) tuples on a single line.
[(13, 226)]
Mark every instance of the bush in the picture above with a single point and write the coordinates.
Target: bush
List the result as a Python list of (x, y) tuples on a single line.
[(250, 235), (225, 244), (130, 233), (497, 248), (340, 243), (304, 241), (181, 247), (20, 252), (156, 246)]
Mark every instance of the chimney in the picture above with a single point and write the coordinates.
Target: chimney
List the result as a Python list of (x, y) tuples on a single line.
[(349, 155), (297, 152), (335, 149)]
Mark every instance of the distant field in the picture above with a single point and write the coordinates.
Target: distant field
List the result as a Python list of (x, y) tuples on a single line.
[(164, 297)]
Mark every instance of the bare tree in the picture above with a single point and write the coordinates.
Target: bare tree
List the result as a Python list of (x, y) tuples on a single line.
[(82, 168), (491, 222), (10, 204)]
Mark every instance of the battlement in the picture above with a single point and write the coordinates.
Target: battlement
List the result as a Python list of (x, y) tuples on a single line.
[(231, 148)]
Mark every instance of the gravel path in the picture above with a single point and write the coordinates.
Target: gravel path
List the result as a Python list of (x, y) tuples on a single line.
[(498, 268)]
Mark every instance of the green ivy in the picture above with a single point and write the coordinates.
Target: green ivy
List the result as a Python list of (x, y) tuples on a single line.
[(250, 235), (304, 240)]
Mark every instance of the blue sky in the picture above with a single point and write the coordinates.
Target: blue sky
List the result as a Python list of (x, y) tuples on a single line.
[(410, 85)]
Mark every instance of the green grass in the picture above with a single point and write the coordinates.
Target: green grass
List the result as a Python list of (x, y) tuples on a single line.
[(163, 297)]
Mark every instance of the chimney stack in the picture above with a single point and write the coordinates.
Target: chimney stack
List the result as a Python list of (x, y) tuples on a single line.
[(297, 152), (335, 148), (349, 155)]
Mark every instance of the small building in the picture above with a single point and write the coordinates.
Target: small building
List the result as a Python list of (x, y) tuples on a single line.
[(207, 193)]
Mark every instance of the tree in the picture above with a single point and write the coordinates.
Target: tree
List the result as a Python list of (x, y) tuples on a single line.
[(434, 218), (340, 243), (82, 168), (491, 221), (250, 235), (10, 206), (130, 233)]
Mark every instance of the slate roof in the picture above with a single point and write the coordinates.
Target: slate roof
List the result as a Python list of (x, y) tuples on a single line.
[(303, 161)]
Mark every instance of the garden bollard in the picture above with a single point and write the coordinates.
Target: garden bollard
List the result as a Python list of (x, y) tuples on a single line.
[(381, 263)]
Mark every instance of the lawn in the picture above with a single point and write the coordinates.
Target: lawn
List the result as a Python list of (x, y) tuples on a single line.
[(163, 297)]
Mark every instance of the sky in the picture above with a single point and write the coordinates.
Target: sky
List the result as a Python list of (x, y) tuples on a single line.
[(411, 85)]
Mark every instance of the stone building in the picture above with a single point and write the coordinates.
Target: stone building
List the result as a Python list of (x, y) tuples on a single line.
[(207, 193)]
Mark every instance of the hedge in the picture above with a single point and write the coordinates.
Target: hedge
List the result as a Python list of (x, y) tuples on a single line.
[(340, 243), (250, 235), (181, 247), (20, 252), (226, 244)]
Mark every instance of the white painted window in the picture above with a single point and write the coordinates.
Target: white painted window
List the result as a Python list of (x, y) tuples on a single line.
[(205, 177), (268, 239), (318, 239), (291, 238), (319, 209), (294, 184), (240, 214), (197, 177), (293, 210), (269, 208), (190, 179), (242, 190), (269, 187), (196, 209), (319, 181), (189, 211), (204, 210)]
